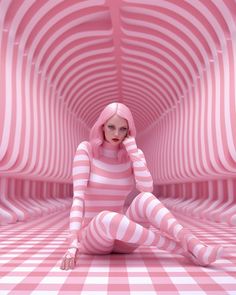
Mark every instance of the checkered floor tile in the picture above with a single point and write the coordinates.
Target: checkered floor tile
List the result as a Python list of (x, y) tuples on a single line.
[(30, 254)]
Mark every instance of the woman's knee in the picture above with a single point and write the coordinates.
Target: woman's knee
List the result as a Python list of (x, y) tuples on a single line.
[(144, 197), (104, 219), (105, 215), (140, 208)]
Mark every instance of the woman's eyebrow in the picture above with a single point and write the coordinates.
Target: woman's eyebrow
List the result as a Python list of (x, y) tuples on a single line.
[(110, 124)]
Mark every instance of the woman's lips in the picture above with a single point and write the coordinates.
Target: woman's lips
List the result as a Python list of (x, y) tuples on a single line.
[(115, 139)]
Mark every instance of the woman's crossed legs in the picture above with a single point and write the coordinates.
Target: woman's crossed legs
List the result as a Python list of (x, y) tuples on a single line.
[(114, 232)]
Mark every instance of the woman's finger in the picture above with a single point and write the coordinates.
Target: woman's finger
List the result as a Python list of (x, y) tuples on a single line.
[(67, 263), (63, 264), (72, 263)]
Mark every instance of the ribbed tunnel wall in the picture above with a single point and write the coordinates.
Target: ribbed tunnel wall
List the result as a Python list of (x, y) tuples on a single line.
[(172, 62)]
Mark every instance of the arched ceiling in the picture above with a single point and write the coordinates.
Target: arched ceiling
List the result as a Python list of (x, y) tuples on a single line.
[(144, 53)]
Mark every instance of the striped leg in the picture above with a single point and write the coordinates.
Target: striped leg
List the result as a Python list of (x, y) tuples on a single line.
[(146, 207), (107, 227)]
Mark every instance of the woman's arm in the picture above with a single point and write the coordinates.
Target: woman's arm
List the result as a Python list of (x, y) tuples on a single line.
[(81, 171), (143, 178)]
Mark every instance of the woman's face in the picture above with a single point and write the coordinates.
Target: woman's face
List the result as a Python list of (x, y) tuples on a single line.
[(115, 129)]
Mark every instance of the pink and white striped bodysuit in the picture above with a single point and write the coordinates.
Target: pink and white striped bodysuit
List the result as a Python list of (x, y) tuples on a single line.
[(103, 184), (97, 217)]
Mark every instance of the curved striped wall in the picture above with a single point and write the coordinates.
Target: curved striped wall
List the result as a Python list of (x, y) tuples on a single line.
[(172, 62)]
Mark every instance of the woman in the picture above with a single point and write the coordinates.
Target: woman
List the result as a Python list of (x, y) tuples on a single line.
[(105, 171)]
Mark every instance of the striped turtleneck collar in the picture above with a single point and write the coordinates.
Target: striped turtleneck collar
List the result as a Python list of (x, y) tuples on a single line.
[(109, 150)]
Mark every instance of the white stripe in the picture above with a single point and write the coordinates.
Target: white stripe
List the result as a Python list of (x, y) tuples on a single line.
[(131, 147), (197, 249), (77, 202), (144, 173), (75, 225), (97, 191), (151, 237), (122, 228), (160, 214), (170, 221), (82, 146), (206, 254), (137, 234), (111, 167), (81, 158), (76, 213), (138, 164), (106, 221), (140, 152), (82, 182), (80, 169), (141, 202), (101, 179), (177, 229), (145, 183), (108, 217), (161, 242), (150, 207)]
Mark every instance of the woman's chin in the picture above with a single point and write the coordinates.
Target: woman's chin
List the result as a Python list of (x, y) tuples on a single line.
[(113, 142)]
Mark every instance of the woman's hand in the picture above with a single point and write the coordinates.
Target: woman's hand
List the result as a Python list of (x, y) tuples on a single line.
[(69, 259), (130, 144)]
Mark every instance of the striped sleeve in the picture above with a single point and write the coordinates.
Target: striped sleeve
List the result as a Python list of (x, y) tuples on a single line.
[(81, 172), (143, 178)]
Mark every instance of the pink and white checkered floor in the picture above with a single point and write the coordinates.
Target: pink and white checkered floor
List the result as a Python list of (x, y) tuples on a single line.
[(30, 254)]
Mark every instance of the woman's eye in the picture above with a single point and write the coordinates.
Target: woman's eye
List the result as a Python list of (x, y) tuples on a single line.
[(111, 127), (123, 129)]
